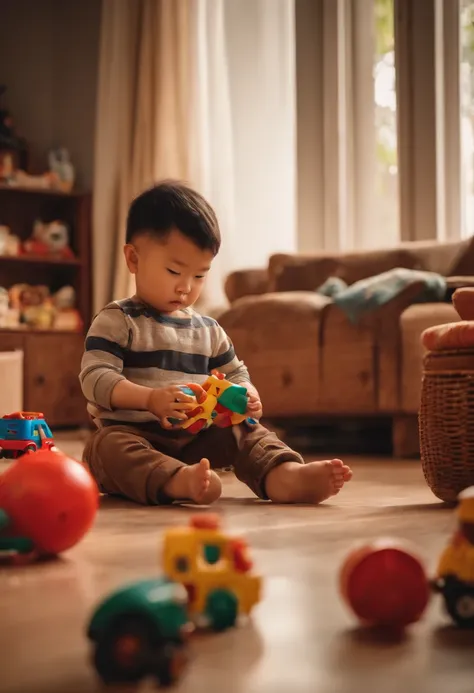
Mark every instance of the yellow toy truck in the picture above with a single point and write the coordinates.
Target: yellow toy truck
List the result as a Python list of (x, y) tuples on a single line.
[(215, 569), (455, 573)]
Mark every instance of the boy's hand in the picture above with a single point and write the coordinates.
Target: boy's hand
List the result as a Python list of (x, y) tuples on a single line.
[(254, 405), (170, 402)]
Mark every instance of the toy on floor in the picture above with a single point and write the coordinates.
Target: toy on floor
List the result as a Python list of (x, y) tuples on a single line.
[(48, 502), (141, 630), (455, 573), (219, 403), (216, 570), (385, 584), (23, 432)]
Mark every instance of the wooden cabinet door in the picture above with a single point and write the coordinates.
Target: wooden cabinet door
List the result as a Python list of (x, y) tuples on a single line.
[(9, 341), (52, 365)]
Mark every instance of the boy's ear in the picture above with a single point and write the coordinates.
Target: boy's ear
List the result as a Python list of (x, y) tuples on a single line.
[(131, 257)]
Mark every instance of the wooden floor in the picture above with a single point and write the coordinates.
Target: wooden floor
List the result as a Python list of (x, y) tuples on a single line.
[(301, 638)]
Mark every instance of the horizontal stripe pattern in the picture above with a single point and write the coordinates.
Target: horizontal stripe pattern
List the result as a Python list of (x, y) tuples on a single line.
[(102, 344), (136, 310), (131, 340)]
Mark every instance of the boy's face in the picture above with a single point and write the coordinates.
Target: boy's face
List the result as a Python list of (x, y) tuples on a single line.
[(169, 273)]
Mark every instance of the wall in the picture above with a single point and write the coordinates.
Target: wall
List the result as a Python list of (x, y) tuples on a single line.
[(49, 54)]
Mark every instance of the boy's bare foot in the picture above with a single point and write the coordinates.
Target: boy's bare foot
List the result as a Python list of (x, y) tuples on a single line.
[(314, 482), (196, 482)]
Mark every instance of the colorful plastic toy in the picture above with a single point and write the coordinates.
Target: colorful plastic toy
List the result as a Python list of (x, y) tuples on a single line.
[(141, 630), (385, 584), (48, 502), (455, 573), (22, 432), (216, 570), (219, 403)]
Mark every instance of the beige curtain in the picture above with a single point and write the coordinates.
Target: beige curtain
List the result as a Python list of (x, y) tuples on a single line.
[(143, 131)]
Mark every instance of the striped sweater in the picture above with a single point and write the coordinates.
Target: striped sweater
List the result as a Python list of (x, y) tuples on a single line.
[(128, 339)]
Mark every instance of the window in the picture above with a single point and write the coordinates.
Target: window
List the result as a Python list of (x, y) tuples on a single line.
[(466, 76), (385, 213), (386, 104)]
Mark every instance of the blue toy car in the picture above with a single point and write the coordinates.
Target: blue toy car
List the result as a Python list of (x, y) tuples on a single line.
[(22, 432)]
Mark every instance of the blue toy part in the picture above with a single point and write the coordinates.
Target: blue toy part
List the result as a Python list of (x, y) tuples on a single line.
[(187, 391), (24, 429)]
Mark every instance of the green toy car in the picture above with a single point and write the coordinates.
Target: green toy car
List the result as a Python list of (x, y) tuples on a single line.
[(141, 630)]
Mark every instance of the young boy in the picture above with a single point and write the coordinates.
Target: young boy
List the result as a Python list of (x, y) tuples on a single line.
[(140, 350)]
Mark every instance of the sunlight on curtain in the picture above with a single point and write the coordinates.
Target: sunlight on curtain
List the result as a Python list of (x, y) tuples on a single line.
[(260, 50), (386, 211), (467, 116)]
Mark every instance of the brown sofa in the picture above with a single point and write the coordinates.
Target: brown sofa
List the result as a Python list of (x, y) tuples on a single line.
[(309, 361)]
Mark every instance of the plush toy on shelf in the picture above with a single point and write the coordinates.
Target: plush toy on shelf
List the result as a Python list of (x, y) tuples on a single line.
[(67, 316), (9, 243), (35, 307), (61, 169), (9, 317), (50, 239)]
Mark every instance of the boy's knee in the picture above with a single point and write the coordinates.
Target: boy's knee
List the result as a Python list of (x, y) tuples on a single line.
[(119, 446)]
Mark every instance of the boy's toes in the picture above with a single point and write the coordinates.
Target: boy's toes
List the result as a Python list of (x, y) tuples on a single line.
[(346, 473), (337, 464)]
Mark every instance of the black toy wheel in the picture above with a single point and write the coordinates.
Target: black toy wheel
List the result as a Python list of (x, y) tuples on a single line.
[(172, 661), (29, 448), (7, 454), (459, 602), (126, 650)]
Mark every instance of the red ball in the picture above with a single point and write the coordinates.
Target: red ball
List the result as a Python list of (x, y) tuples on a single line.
[(385, 584), (50, 498)]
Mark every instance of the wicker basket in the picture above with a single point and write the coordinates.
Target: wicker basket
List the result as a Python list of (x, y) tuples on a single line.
[(447, 422)]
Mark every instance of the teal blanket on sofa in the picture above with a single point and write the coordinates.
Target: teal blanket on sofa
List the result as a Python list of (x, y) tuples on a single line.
[(369, 294)]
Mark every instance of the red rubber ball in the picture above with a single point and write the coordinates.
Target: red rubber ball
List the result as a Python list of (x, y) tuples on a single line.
[(50, 498), (385, 584)]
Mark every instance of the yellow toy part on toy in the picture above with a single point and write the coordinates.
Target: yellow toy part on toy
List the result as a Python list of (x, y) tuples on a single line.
[(216, 570), (457, 558), (218, 402)]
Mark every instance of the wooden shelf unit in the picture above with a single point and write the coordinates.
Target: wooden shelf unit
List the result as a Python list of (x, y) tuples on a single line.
[(52, 359)]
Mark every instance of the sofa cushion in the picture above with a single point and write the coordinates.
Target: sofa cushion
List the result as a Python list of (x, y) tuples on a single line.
[(413, 321), (299, 272), (347, 377), (452, 335)]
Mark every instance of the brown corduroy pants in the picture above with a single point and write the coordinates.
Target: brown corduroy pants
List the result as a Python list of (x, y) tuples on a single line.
[(137, 462)]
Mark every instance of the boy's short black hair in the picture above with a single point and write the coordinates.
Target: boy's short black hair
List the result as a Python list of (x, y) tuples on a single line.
[(169, 205)]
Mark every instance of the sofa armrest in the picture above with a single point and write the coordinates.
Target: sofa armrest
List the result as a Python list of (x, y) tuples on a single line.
[(293, 308), (459, 282), (248, 282), (463, 301)]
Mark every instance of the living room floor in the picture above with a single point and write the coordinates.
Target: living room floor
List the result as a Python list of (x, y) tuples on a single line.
[(301, 637)]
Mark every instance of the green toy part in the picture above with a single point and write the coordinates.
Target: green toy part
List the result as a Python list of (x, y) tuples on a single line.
[(234, 398), (222, 608), (139, 630)]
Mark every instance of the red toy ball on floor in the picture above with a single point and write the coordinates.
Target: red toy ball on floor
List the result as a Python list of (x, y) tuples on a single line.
[(385, 584), (50, 498)]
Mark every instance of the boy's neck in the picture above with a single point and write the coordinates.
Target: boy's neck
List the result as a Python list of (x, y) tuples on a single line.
[(180, 313)]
